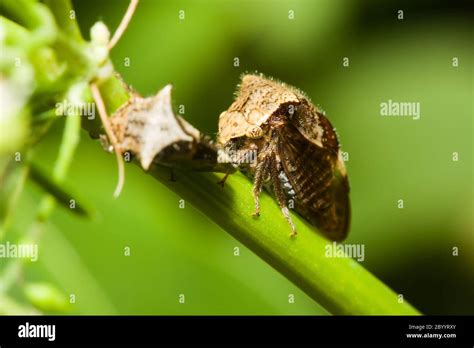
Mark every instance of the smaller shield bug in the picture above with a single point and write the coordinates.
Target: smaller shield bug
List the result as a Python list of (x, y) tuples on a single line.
[(298, 156)]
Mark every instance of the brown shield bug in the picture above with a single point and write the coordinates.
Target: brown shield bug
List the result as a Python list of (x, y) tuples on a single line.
[(297, 153)]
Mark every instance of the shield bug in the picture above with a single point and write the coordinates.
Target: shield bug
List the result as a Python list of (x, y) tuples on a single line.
[(298, 156)]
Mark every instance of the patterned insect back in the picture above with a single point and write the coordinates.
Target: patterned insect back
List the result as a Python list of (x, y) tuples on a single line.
[(298, 155)]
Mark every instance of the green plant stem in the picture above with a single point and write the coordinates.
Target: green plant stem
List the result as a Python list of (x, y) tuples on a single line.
[(68, 146), (65, 15), (35, 17), (340, 285)]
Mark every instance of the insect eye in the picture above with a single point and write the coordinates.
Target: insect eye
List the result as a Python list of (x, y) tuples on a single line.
[(237, 143)]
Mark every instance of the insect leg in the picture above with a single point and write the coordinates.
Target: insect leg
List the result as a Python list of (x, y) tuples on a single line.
[(172, 176), (279, 193), (260, 174), (223, 180)]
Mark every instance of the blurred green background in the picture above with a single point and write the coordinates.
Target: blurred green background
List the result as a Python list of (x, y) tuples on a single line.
[(179, 251)]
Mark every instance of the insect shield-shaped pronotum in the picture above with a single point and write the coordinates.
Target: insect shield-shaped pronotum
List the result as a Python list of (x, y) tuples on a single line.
[(275, 135)]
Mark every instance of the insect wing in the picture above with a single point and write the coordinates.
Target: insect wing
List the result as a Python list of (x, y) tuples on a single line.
[(321, 187)]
